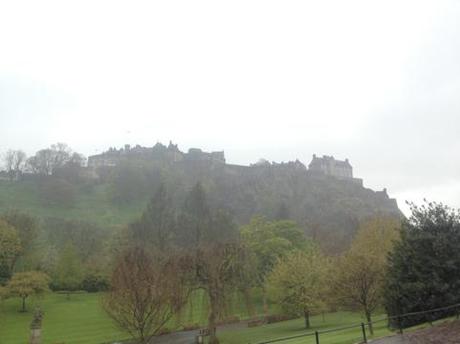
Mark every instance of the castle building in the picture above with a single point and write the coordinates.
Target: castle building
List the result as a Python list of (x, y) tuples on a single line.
[(159, 152), (331, 167)]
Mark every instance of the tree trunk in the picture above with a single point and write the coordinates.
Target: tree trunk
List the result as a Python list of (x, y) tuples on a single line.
[(213, 299), (23, 304), (306, 315), (369, 321), (248, 301), (264, 300), (142, 339)]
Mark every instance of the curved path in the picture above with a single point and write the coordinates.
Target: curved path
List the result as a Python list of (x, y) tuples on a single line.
[(188, 337)]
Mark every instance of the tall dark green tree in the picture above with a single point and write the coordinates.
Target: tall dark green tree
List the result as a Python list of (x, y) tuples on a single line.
[(195, 219), (156, 226), (282, 212), (424, 267)]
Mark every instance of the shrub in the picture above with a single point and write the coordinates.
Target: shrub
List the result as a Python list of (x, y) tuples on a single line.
[(271, 319), (94, 282)]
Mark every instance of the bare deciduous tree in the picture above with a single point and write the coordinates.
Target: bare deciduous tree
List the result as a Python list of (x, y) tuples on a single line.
[(45, 161), (14, 161), (146, 292)]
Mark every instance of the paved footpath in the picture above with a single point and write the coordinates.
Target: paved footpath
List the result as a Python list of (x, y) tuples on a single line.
[(188, 337), (391, 340), (183, 337)]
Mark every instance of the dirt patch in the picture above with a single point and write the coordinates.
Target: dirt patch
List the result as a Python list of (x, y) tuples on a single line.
[(447, 333)]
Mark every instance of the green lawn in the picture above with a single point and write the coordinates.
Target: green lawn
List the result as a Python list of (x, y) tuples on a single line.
[(297, 327), (81, 319), (78, 320)]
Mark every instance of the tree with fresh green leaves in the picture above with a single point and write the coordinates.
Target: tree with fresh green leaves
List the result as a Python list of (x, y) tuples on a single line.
[(25, 284), (10, 249), (269, 241), (360, 273), (298, 283), (25, 225), (424, 267), (28, 230), (68, 274)]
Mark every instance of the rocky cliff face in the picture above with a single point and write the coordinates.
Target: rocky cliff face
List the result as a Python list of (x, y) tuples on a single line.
[(327, 208)]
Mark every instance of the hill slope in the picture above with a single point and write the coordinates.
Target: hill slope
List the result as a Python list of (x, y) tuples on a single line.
[(328, 208)]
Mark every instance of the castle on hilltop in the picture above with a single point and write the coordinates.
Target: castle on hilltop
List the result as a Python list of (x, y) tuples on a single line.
[(169, 154), (321, 167), (331, 167)]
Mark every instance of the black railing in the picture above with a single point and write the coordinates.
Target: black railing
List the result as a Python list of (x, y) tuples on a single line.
[(396, 319)]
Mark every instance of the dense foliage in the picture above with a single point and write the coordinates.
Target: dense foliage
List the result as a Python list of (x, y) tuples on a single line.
[(424, 268), (10, 248), (25, 284)]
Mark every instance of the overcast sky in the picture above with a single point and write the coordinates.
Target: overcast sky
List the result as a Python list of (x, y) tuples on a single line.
[(377, 82)]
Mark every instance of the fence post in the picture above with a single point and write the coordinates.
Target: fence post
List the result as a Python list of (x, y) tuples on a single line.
[(317, 337), (363, 328), (400, 324)]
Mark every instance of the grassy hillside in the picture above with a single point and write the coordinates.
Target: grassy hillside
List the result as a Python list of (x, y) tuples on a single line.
[(91, 204)]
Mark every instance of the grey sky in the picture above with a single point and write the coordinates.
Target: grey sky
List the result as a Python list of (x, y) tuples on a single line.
[(375, 81)]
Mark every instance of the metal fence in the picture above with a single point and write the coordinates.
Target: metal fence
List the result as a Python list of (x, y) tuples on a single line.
[(359, 333)]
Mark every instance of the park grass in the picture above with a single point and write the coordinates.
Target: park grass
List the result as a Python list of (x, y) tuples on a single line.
[(329, 328), (296, 327), (78, 320), (91, 204), (82, 320)]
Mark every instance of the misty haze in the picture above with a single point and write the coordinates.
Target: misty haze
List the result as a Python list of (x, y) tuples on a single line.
[(193, 172)]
